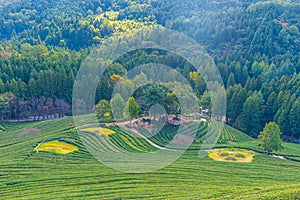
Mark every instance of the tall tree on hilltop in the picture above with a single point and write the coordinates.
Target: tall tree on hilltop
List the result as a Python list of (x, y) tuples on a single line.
[(270, 138), (117, 106), (133, 108)]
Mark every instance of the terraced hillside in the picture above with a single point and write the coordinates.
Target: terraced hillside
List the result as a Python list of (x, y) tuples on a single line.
[(28, 174), (228, 134), (117, 141)]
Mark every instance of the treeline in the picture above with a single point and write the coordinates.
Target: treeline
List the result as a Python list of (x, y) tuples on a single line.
[(243, 27), (255, 45), (268, 27), (262, 91), (257, 92), (52, 22), (36, 82), (14, 108), (75, 25), (35, 71)]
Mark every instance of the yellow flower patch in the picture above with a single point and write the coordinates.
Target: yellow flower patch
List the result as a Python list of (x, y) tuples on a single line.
[(57, 147), (231, 155), (99, 130)]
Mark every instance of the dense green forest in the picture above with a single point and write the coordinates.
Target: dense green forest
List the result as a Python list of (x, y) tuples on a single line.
[(255, 45)]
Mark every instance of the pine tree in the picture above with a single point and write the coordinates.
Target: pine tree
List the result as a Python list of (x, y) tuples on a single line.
[(2, 86), (13, 87), (245, 75), (235, 103), (270, 109), (284, 116), (295, 119), (251, 117), (5, 99), (31, 91), (256, 69), (21, 88), (231, 80)]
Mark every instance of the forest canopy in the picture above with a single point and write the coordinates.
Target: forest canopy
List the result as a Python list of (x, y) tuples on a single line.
[(255, 45)]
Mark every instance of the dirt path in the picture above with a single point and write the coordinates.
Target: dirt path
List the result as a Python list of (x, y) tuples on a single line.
[(123, 126), (163, 148)]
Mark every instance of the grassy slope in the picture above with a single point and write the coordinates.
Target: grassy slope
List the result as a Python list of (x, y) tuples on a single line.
[(43, 175)]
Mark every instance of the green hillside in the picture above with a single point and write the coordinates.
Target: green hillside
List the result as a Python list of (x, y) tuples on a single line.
[(27, 174), (246, 49), (254, 44)]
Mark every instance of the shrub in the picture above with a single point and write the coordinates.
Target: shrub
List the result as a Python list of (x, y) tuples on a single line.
[(240, 155), (107, 114), (224, 154), (230, 158)]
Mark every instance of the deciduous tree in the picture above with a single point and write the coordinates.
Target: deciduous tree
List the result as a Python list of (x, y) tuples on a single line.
[(132, 107), (270, 138), (118, 106)]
